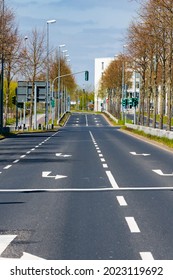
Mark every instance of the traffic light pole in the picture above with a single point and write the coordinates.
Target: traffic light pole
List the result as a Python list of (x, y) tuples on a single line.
[(66, 75), (134, 97)]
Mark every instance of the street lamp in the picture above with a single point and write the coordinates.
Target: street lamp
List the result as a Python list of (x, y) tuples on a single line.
[(59, 79), (24, 107), (65, 88), (123, 80), (47, 76), (64, 52)]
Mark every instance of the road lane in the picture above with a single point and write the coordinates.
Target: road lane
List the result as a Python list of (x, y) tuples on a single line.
[(79, 223)]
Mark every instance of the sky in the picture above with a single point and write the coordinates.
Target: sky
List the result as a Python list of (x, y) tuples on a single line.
[(89, 28)]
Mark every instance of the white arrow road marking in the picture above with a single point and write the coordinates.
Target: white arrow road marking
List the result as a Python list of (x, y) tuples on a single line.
[(61, 155), (5, 240), (27, 256), (45, 174), (135, 154), (159, 172)]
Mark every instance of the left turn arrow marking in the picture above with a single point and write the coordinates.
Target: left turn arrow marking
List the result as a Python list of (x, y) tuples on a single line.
[(159, 172), (45, 174)]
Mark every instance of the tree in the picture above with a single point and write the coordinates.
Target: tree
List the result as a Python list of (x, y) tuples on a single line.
[(58, 65), (33, 59), (112, 83), (9, 50), (154, 33)]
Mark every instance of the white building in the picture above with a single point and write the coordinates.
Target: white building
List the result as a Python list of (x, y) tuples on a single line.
[(100, 66)]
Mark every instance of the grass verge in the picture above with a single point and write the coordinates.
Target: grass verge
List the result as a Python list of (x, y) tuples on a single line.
[(162, 140)]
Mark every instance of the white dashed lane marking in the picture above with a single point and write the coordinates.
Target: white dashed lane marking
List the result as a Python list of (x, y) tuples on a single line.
[(22, 156), (132, 224), (7, 167), (121, 201), (146, 256), (28, 152), (112, 180), (16, 161)]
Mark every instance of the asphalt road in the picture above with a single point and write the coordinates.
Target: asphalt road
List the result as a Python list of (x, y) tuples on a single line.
[(88, 191)]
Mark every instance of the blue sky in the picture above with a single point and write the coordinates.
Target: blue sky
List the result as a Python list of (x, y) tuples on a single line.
[(89, 28)]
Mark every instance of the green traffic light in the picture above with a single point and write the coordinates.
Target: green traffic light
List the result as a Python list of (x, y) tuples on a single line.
[(86, 75)]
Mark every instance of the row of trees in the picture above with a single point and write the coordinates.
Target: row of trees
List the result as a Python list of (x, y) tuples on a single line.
[(149, 51), (25, 58)]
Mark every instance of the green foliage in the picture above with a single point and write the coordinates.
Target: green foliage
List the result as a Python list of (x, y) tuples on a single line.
[(162, 140)]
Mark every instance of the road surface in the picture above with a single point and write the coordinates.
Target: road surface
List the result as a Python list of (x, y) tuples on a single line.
[(86, 192)]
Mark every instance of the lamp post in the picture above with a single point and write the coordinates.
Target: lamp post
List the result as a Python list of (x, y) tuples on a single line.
[(59, 80), (24, 107), (123, 81), (65, 89), (47, 74)]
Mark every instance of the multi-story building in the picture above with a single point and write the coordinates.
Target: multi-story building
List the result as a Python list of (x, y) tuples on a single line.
[(100, 66)]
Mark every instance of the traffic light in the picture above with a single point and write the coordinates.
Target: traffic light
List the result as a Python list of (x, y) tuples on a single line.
[(20, 105), (86, 75), (14, 100), (124, 102), (135, 101), (53, 103), (130, 102)]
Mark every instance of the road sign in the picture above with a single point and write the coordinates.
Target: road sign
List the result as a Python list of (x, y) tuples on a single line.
[(24, 91)]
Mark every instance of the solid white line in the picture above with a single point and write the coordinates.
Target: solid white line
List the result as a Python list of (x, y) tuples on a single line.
[(5, 240), (54, 190), (16, 161), (112, 180), (132, 224), (121, 201), (7, 167), (103, 189), (146, 256)]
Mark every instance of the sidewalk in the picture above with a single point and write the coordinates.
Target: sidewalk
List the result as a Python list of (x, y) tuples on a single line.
[(40, 120)]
